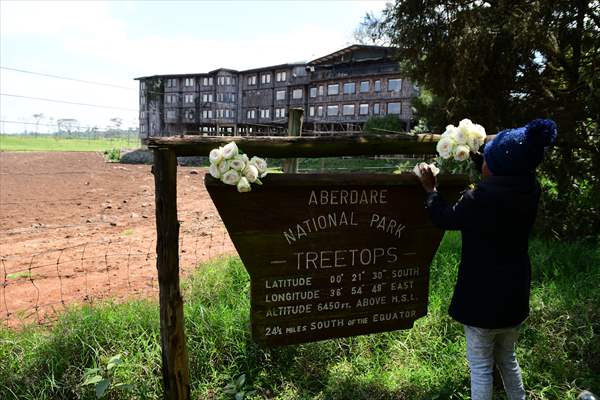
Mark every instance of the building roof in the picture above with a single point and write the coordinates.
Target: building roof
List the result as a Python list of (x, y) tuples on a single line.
[(339, 54)]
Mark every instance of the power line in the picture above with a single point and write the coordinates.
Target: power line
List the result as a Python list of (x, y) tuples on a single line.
[(67, 102), (67, 78), (77, 80)]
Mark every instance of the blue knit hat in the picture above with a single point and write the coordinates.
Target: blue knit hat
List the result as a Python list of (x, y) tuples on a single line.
[(519, 151)]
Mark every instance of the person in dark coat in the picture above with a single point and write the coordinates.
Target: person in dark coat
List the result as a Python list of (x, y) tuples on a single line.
[(491, 296)]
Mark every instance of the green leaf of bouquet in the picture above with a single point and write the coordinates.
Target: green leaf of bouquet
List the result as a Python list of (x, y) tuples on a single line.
[(241, 380)]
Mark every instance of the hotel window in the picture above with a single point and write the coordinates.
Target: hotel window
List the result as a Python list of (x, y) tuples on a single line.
[(394, 85), (280, 113), (363, 109), (207, 98), (319, 111), (311, 111), (393, 108), (189, 82), (297, 94), (233, 97), (265, 78), (280, 95), (171, 99), (189, 114), (207, 114), (228, 80), (250, 114), (332, 90), (142, 85), (349, 88), (347, 109), (171, 114), (378, 86), (364, 86), (189, 98), (252, 80), (313, 92), (281, 76), (332, 110), (376, 109), (143, 100), (171, 82), (264, 113), (321, 90)]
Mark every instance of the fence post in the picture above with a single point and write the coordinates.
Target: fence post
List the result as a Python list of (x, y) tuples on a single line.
[(175, 365), (295, 118)]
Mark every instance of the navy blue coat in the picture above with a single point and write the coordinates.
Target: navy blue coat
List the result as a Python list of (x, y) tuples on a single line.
[(494, 276)]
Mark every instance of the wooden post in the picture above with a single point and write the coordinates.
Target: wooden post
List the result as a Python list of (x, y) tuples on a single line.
[(295, 119), (175, 365)]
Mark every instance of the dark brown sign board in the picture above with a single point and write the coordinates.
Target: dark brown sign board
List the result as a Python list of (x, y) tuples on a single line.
[(333, 255)]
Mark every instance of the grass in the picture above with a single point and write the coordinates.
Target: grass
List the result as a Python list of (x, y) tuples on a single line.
[(51, 143), (345, 164), (17, 275), (559, 349)]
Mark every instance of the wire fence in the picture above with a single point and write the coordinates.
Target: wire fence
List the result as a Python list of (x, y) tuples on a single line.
[(38, 286)]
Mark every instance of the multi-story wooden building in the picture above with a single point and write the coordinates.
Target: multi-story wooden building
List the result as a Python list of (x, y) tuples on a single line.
[(338, 91)]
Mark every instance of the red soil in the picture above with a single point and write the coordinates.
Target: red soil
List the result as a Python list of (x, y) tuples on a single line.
[(75, 229)]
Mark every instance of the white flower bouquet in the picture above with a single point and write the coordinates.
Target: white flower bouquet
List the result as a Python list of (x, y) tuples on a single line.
[(234, 168), (457, 142), (454, 147)]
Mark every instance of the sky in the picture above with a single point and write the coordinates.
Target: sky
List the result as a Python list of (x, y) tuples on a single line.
[(115, 42)]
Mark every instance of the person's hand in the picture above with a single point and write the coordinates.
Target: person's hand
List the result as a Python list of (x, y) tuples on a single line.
[(427, 178)]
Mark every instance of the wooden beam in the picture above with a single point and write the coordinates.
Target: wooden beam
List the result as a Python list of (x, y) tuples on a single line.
[(302, 146), (175, 365)]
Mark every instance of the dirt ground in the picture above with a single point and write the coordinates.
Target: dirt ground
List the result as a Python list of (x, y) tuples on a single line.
[(75, 229)]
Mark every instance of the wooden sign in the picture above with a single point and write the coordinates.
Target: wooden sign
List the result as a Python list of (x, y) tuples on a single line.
[(333, 255)]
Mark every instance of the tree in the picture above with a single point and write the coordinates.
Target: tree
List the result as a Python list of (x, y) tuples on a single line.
[(67, 125), (117, 122), (38, 117), (502, 63)]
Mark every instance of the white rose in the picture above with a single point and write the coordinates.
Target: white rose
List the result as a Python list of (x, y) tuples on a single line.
[(214, 171), (243, 185), (461, 152), (251, 173), (223, 167), (231, 177), (417, 169), (216, 155), (260, 164), (449, 130), (245, 158), (230, 150), (478, 135), (445, 146), (237, 163), (465, 122)]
